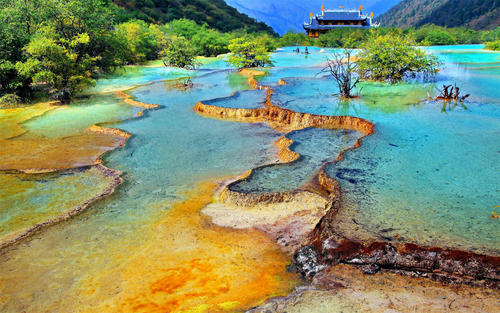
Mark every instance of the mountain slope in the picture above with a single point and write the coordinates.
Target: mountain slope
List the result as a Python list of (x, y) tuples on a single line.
[(477, 14), (284, 15), (216, 13)]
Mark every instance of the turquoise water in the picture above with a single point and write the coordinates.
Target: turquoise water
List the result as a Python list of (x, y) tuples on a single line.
[(247, 99), (75, 118), (171, 151), (428, 175), (315, 146), (287, 57), (430, 171)]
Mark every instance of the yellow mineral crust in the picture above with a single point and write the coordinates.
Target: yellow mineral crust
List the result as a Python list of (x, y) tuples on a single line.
[(251, 74), (284, 120), (10, 119), (192, 265), (128, 99), (285, 154), (40, 154), (53, 154)]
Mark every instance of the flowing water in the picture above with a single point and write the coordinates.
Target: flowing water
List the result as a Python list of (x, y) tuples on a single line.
[(429, 175)]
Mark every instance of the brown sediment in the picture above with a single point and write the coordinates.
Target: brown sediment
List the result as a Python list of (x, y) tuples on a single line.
[(115, 181), (128, 99), (444, 265), (54, 154), (344, 288)]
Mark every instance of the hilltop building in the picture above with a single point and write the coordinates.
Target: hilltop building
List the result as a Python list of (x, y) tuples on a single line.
[(341, 18)]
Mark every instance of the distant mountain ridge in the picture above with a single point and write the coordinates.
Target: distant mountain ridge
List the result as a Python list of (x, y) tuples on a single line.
[(216, 13), (285, 15), (476, 14)]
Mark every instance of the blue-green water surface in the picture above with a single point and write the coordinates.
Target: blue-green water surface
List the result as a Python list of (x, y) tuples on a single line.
[(429, 174)]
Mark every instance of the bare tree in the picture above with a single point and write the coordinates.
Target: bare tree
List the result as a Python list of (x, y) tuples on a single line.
[(343, 69), (451, 93)]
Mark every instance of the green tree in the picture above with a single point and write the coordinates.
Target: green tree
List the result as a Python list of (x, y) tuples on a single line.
[(464, 35), (179, 53), (343, 37), (291, 38), (70, 46), (438, 38), (183, 27), (59, 63), (140, 39), (393, 58), (493, 45), (248, 52), (270, 42), (490, 35), (17, 20), (209, 42)]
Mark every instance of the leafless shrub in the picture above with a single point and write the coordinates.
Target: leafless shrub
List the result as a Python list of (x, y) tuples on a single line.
[(343, 69)]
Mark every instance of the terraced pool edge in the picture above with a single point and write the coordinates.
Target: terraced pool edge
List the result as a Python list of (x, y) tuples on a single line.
[(444, 265)]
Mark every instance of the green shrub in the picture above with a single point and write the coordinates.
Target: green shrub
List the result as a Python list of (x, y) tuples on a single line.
[(438, 38), (392, 58), (493, 45), (291, 38), (179, 53), (10, 101), (248, 52)]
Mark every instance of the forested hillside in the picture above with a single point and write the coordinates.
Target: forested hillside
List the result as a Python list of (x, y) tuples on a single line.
[(476, 14), (216, 13)]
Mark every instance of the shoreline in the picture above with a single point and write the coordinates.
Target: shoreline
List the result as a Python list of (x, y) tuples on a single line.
[(442, 264), (16, 237), (323, 190)]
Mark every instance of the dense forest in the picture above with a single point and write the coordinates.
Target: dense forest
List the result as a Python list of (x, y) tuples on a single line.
[(475, 14), (57, 48), (215, 13)]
